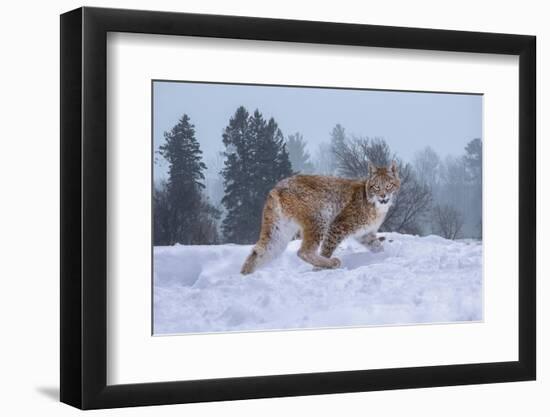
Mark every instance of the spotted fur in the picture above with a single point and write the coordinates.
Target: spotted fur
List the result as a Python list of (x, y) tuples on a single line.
[(324, 210)]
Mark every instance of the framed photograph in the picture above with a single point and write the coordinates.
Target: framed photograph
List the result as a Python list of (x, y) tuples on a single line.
[(259, 208)]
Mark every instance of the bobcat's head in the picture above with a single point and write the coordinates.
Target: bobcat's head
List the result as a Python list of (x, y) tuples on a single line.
[(382, 185)]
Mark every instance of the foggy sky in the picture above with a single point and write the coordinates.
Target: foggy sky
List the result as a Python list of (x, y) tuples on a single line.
[(407, 121)]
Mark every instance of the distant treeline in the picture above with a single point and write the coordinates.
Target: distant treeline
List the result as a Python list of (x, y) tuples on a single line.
[(437, 196)]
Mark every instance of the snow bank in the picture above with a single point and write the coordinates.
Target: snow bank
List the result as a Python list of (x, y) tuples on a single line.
[(415, 280)]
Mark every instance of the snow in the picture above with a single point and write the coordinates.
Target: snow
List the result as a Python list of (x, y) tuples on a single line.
[(414, 280)]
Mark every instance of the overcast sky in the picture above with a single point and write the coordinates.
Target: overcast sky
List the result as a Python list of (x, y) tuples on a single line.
[(407, 121)]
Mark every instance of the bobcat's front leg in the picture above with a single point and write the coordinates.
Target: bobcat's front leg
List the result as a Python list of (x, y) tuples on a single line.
[(373, 243), (311, 238), (337, 232)]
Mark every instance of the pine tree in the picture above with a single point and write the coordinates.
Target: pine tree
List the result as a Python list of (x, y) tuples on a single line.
[(161, 215), (185, 182), (473, 160), (256, 159), (474, 166), (337, 143), (299, 157), (237, 175), (271, 163), (338, 135), (206, 227)]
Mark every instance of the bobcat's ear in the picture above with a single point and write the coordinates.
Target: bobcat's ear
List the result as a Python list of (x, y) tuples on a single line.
[(394, 168), (372, 169)]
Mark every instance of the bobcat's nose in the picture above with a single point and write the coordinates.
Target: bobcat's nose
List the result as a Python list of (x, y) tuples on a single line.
[(383, 199)]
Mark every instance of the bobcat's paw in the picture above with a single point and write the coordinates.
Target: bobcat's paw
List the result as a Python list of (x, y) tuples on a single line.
[(334, 263), (329, 263)]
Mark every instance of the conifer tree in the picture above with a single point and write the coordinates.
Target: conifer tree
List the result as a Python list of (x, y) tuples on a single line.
[(271, 163), (337, 143), (474, 165), (473, 160), (161, 215), (237, 175), (256, 159), (183, 197), (299, 157)]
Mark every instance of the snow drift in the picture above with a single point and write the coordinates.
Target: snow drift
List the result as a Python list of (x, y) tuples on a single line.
[(414, 280)]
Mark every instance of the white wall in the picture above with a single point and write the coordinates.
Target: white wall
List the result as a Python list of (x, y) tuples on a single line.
[(29, 212)]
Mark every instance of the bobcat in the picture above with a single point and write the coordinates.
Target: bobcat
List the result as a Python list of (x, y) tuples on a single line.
[(323, 210)]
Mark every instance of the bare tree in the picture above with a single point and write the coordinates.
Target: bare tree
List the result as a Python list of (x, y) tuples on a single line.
[(379, 152), (411, 205), (351, 158), (427, 165), (455, 184), (413, 200), (454, 171), (448, 221), (324, 159)]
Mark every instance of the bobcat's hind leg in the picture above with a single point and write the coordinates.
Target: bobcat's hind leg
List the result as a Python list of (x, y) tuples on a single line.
[(310, 245), (250, 263)]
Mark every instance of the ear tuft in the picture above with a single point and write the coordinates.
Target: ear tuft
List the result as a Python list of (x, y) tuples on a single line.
[(394, 168), (372, 169)]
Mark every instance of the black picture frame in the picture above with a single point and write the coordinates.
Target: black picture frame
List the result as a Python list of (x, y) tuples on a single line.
[(84, 207)]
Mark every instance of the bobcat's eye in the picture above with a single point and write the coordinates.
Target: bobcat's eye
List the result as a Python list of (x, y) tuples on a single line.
[(376, 188), (389, 186)]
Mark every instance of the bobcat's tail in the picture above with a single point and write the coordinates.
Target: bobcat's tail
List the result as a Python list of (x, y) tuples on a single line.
[(276, 232)]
